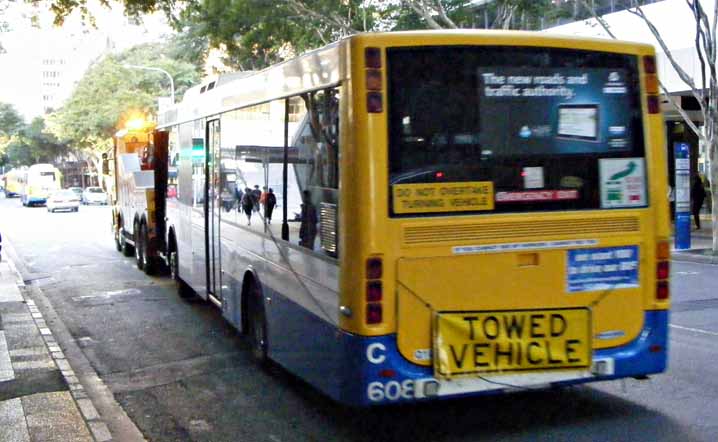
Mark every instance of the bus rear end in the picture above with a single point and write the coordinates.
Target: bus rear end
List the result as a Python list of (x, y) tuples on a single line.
[(514, 230)]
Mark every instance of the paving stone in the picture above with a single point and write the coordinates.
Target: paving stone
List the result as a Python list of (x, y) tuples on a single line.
[(11, 318), (88, 410), (54, 417), (12, 422), (23, 352), (6, 371), (9, 292), (63, 365), (34, 365), (100, 431)]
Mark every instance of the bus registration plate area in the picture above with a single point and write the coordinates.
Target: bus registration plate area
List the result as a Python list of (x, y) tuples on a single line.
[(471, 343)]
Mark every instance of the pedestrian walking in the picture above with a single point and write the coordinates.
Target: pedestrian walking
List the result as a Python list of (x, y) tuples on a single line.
[(270, 201), (256, 195), (698, 195), (248, 204)]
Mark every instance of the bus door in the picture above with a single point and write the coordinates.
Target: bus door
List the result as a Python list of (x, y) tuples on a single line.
[(212, 212)]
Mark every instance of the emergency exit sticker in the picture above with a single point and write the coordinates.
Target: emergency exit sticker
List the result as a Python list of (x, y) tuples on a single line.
[(602, 269), (443, 197)]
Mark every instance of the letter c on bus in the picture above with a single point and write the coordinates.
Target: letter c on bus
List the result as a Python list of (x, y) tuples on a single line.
[(372, 350)]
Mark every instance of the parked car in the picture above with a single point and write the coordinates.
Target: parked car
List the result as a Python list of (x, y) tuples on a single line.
[(63, 200), (77, 190), (94, 195)]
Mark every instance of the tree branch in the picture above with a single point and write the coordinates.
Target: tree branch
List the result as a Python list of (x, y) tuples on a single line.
[(331, 20), (421, 9), (442, 13), (683, 75), (675, 106)]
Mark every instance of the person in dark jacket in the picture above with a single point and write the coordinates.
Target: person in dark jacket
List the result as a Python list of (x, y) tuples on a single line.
[(248, 204), (698, 195), (270, 201)]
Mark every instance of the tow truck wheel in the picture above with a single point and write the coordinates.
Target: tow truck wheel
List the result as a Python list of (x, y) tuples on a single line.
[(148, 263), (138, 248), (127, 249)]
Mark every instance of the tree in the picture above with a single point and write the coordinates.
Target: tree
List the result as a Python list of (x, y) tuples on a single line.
[(10, 123), (31, 144), (704, 89), (108, 91)]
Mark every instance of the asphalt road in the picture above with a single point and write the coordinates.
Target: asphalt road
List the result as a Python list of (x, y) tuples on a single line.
[(182, 374)]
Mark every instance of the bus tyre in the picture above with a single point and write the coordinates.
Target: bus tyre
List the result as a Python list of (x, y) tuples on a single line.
[(148, 264), (138, 248), (257, 325), (127, 249)]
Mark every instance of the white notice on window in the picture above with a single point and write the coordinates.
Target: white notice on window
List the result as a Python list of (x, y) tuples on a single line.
[(533, 177), (578, 121)]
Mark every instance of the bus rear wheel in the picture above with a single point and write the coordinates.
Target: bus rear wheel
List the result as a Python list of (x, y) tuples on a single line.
[(257, 325)]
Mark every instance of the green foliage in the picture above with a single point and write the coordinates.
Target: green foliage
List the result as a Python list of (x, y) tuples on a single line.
[(108, 91), (10, 120), (257, 33), (30, 144)]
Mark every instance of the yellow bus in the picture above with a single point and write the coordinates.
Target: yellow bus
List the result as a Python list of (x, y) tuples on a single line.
[(453, 213), (13, 182), (38, 182)]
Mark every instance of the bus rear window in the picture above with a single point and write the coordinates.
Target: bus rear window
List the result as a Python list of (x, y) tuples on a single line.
[(507, 129)]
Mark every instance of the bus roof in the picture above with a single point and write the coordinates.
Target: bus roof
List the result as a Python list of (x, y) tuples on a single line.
[(321, 68)]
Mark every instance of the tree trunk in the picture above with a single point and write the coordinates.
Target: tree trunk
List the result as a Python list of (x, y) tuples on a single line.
[(97, 162), (713, 181)]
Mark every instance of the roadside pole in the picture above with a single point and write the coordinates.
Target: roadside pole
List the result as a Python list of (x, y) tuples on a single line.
[(683, 197)]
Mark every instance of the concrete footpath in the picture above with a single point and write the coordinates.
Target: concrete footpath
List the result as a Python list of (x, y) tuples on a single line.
[(41, 398), (701, 249)]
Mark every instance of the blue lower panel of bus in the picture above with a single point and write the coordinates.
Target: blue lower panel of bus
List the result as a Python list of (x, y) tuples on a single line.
[(35, 200), (360, 370)]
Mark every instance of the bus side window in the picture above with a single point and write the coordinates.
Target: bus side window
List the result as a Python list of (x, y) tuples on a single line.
[(314, 149)]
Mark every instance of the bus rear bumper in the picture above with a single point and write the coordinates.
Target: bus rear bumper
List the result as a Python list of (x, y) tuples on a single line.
[(378, 374)]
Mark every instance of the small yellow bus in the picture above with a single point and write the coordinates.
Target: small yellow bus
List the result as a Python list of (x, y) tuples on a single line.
[(13, 182), (453, 213)]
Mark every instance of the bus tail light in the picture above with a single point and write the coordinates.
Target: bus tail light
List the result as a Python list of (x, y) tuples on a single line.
[(373, 73), (662, 270), (663, 250), (374, 268), (651, 85), (374, 313), (650, 82), (649, 64), (374, 103), (662, 291), (373, 79), (373, 291), (372, 58), (654, 104)]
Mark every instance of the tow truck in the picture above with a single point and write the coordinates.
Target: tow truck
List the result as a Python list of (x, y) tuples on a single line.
[(138, 164)]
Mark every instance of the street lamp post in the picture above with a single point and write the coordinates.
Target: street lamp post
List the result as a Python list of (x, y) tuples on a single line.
[(148, 68)]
